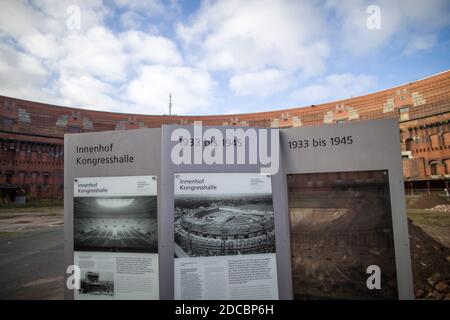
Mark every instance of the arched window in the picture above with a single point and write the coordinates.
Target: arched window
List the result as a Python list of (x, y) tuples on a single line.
[(447, 166), (408, 144), (446, 138), (9, 177), (433, 165), (434, 139), (46, 178)]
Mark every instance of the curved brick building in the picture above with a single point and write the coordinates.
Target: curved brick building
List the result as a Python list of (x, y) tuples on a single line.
[(31, 133)]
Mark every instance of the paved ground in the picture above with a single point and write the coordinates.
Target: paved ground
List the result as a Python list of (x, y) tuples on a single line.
[(32, 265), (31, 249)]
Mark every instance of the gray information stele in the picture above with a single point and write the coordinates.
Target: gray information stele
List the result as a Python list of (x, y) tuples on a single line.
[(111, 190), (210, 213)]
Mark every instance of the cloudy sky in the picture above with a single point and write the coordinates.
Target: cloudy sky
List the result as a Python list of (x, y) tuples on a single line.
[(216, 57)]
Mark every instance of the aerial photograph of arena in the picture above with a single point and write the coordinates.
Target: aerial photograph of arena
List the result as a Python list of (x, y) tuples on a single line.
[(119, 224), (213, 225), (96, 283), (340, 224)]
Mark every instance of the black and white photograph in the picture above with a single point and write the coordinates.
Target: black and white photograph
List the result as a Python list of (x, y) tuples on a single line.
[(220, 218), (95, 283), (341, 223), (116, 224)]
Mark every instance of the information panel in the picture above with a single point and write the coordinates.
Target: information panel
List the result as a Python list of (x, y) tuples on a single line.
[(116, 237), (111, 215), (341, 223), (224, 236), (346, 206), (226, 232)]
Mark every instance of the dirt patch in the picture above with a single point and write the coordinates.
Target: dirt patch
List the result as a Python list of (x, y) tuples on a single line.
[(13, 222), (430, 263), (54, 210), (427, 201), (435, 224), (44, 281), (440, 208)]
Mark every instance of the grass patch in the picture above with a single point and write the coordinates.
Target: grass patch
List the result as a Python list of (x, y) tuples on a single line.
[(427, 218), (34, 204), (50, 205), (4, 234)]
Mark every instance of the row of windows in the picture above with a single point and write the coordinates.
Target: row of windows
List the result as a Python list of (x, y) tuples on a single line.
[(55, 150), (366, 111), (434, 166), (25, 162), (24, 177)]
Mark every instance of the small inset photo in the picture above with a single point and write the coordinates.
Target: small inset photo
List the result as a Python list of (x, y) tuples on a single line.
[(97, 283)]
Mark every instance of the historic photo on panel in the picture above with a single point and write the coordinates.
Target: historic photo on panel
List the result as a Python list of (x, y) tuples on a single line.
[(116, 224), (95, 283), (215, 216), (115, 234), (341, 224)]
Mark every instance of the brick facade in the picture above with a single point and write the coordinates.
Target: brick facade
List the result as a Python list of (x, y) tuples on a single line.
[(31, 133)]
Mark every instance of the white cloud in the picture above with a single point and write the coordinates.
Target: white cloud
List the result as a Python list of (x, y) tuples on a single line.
[(56, 14), (140, 15), (84, 68), (20, 18), (147, 7), (419, 43), (150, 49), (98, 52), (17, 18), (251, 35), (131, 20), (262, 83), (21, 74), (44, 46), (191, 89), (88, 92), (13, 59), (401, 21), (334, 87)]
